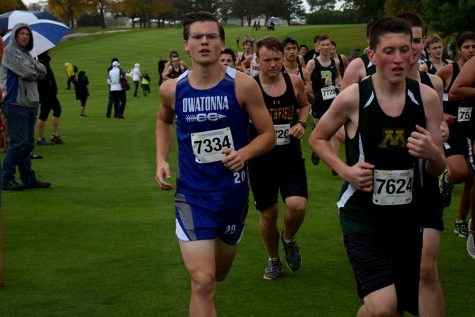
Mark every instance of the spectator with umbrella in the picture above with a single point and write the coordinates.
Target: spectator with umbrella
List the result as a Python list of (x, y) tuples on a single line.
[(46, 31), (19, 73)]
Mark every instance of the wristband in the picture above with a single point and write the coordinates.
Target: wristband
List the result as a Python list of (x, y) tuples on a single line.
[(302, 123)]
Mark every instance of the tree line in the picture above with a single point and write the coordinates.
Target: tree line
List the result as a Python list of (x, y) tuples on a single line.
[(447, 17), (146, 13)]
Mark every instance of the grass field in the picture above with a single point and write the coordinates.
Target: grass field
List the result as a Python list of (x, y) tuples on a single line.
[(101, 241)]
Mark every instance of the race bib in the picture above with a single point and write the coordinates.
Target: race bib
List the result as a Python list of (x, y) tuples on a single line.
[(208, 145), (464, 114), (328, 92), (392, 187), (282, 132)]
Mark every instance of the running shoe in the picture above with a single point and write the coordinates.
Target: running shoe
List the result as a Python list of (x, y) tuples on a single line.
[(292, 253), (273, 269), (56, 139), (446, 190), (315, 159), (471, 241), (43, 141), (461, 228)]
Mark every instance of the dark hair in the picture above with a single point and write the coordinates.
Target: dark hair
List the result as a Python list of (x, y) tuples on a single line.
[(200, 16), (174, 53), (81, 74), (323, 38), (316, 38), (465, 36), (303, 45), (370, 24), (414, 21), (248, 41), (388, 25), (333, 43), (289, 40), (230, 52), (271, 43)]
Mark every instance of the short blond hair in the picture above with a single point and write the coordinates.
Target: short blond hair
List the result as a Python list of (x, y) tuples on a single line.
[(434, 38)]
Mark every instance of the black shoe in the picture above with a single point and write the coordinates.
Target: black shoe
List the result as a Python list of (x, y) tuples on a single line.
[(315, 159), (13, 186), (43, 141), (37, 184), (56, 139), (36, 156)]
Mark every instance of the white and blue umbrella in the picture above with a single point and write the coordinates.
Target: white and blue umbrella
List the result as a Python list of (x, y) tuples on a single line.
[(9, 19), (46, 34)]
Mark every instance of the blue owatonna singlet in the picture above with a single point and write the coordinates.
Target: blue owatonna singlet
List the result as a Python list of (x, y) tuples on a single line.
[(208, 121)]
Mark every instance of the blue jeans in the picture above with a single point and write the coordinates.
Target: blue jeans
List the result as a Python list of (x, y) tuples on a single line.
[(136, 86), (21, 131)]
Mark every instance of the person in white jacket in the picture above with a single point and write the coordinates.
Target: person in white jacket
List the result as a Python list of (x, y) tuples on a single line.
[(135, 74), (116, 90)]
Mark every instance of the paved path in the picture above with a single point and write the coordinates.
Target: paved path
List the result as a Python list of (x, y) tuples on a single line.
[(73, 36)]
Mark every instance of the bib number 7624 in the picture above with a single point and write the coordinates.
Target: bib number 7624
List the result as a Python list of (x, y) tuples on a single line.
[(393, 187)]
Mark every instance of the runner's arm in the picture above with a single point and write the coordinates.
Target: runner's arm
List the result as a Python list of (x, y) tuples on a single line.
[(163, 133)]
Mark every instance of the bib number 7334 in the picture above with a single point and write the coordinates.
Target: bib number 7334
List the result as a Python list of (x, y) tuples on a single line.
[(208, 145), (393, 187)]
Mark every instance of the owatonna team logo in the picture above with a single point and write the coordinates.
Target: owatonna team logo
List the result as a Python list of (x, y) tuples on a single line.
[(393, 138)]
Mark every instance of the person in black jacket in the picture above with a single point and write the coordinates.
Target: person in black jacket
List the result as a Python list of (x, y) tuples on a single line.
[(80, 86), (48, 91)]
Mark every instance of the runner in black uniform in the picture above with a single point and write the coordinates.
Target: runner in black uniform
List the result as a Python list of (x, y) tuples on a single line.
[(458, 148), (322, 79), (431, 298), (384, 117), (283, 168), (342, 59), (436, 50), (463, 90)]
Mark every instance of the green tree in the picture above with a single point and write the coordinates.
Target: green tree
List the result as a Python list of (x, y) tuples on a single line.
[(243, 9), (291, 9), (144, 10), (68, 10), (367, 9), (321, 4), (204, 5), (102, 6), (10, 5), (7, 5), (394, 7), (449, 17), (223, 9)]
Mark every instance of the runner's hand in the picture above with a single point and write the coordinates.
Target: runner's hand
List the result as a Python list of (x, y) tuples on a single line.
[(360, 176), (233, 160), (163, 172), (420, 144)]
